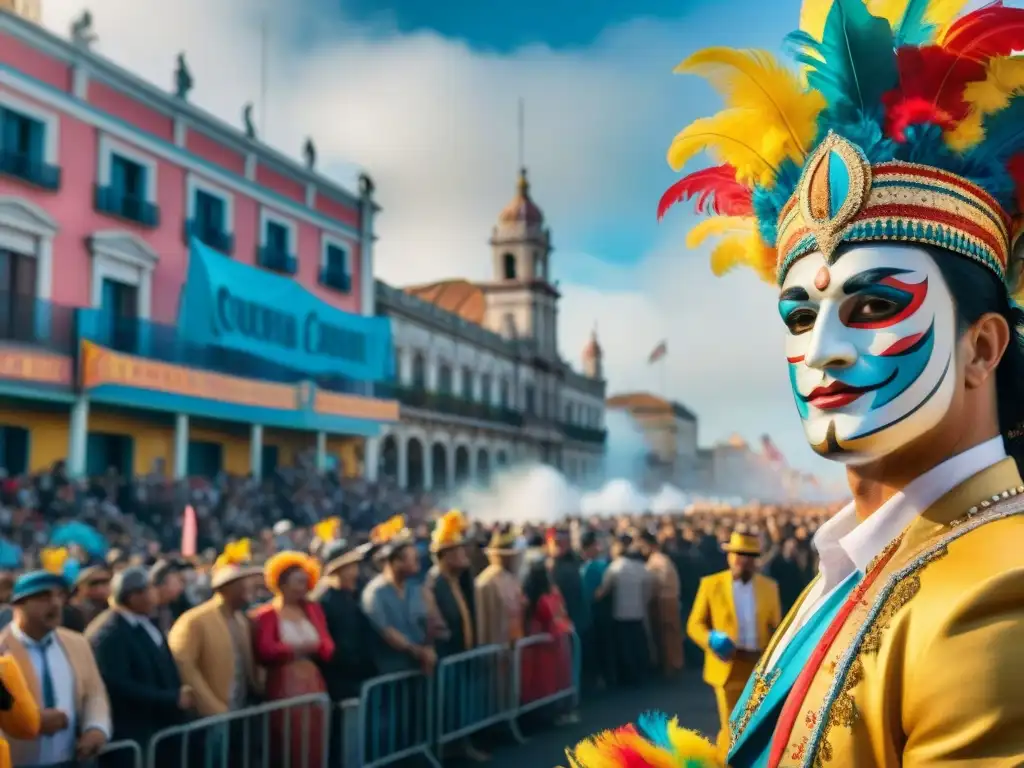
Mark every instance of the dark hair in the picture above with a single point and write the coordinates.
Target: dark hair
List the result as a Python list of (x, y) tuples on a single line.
[(536, 584), (160, 570), (977, 291)]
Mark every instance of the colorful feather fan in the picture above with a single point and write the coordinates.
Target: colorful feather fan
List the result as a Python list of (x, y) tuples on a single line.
[(902, 80), (654, 742)]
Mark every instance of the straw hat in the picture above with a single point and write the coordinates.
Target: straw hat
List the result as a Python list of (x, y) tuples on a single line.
[(743, 544), (449, 532), (342, 553), (233, 564), (390, 536), (502, 543)]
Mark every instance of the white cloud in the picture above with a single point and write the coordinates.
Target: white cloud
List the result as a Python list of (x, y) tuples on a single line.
[(435, 125)]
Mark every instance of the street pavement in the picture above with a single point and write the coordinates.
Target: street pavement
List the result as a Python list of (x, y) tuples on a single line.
[(688, 698)]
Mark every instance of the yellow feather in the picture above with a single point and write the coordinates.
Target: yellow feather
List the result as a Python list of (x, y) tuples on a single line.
[(941, 13), (718, 225), (1004, 79), (731, 136), (691, 744), (741, 246), (601, 751), (813, 14), (754, 80)]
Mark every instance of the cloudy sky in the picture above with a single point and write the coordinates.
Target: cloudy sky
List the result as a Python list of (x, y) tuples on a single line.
[(423, 95)]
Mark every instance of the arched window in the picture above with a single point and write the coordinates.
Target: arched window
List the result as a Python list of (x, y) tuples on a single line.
[(509, 266), (444, 379), (538, 266)]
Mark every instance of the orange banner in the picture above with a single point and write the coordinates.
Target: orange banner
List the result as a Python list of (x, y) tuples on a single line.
[(355, 407), (101, 366), (35, 366)]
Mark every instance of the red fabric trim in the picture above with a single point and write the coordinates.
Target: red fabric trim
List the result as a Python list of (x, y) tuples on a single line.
[(885, 169), (924, 213), (797, 695)]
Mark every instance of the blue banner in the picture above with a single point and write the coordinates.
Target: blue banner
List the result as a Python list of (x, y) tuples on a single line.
[(246, 309)]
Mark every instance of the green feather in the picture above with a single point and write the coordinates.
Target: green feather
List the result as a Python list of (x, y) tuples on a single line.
[(912, 28), (855, 62)]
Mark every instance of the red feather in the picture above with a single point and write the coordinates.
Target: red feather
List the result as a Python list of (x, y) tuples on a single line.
[(931, 90), (987, 32), (715, 188), (1016, 168)]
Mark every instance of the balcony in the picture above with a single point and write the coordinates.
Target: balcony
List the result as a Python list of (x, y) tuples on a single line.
[(115, 202), (273, 258), (415, 397), (584, 434), (36, 323), (214, 237), (30, 169), (337, 278)]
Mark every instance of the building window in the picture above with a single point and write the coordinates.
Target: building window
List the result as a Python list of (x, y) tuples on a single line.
[(529, 399), (119, 311), (444, 379), (467, 383), (485, 388), (14, 450), (335, 266), (503, 393), (419, 371), (127, 185), (23, 149), (18, 297), (538, 266), (276, 244), (509, 262), (210, 217)]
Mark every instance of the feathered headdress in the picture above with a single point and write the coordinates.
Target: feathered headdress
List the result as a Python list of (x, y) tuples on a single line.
[(906, 123), (53, 559), (655, 741), (388, 530), (448, 532), (328, 530), (235, 553)]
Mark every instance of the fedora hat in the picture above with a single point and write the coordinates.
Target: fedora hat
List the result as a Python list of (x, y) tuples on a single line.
[(35, 583), (233, 564), (449, 532), (743, 544), (345, 554)]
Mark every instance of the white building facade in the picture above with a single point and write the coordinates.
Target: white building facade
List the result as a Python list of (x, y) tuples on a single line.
[(479, 376)]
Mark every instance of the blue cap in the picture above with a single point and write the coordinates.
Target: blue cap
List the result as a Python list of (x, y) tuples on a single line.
[(34, 583)]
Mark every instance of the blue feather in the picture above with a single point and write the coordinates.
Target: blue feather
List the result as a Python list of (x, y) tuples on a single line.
[(855, 62), (653, 726), (863, 129), (912, 28), (768, 202)]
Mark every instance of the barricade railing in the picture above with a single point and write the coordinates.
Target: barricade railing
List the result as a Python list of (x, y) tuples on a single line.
[(347, 741), (473, 692), (287, 733), (396, 713), (546, 670), (128, 753)]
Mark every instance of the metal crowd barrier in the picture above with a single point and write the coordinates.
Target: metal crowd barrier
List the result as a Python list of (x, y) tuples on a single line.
[(348, 725), (473, 693), (291, 733), (119, 748), (523, 660), (395, 716)]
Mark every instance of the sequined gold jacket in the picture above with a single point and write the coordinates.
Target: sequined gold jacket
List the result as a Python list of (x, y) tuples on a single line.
[(928, 670)]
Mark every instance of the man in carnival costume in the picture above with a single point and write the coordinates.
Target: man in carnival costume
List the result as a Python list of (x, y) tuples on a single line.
[(884, 199)]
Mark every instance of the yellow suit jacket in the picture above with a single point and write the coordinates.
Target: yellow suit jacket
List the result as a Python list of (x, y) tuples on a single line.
[(92, 708), (22, 720), (714, 609), (928, 671), (204, 650), (497, 620)]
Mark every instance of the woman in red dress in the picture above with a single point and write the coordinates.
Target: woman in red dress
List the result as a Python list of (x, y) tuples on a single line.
[(546, 667), (290, 634)]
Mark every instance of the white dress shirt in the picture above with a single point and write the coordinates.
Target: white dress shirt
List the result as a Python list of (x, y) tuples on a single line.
[(746, 614), (57, 747), (135, 620), (845, 547)]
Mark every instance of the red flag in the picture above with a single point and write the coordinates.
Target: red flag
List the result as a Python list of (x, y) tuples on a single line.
[(773, 454), (657, 353), (189, 532)]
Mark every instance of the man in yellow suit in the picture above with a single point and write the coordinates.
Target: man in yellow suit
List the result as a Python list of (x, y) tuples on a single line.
[(733, 617)]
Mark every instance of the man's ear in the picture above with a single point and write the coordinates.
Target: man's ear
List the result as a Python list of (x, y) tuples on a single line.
[(984, 344)]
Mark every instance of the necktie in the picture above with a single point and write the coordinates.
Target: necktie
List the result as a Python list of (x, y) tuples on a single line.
[(49, 690)]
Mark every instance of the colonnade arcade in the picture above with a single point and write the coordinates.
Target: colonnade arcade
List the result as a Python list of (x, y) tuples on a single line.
[(419, 460)]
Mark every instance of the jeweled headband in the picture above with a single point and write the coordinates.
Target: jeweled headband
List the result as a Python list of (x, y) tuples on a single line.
[(906, 125)]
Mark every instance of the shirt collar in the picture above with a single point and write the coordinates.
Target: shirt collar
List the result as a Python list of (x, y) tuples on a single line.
[(842, 537), (27, 641), (132, 618)]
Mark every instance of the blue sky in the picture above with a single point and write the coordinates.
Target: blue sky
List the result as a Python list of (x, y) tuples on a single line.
[(423, 96)]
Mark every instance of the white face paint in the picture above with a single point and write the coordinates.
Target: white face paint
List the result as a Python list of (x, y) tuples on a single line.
[(870, 347)]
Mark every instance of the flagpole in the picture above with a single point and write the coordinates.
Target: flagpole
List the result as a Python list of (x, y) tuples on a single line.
[(664, 388)]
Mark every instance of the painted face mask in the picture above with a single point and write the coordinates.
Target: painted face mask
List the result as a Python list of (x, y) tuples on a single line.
[(870, 347)]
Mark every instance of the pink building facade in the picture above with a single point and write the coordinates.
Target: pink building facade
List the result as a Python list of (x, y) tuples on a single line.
[(107, 185)]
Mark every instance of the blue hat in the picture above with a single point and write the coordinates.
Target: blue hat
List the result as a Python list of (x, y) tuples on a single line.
[(34, 583)]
